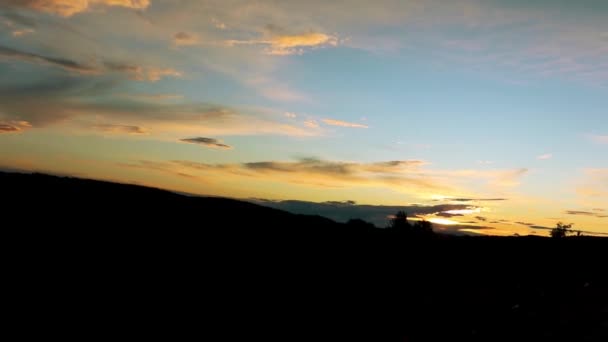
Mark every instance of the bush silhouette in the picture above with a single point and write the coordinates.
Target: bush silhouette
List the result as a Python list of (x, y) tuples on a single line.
[(561, 230)]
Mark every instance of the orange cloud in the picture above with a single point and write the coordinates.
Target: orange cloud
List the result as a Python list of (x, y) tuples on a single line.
[(13, 126), (283, 45), (293, 44), (68, 8), (333, 122)]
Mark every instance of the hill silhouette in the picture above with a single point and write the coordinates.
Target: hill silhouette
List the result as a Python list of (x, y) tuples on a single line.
[(219, 267)]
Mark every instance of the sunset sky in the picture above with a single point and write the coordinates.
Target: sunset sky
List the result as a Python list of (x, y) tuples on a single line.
[(496, 109)]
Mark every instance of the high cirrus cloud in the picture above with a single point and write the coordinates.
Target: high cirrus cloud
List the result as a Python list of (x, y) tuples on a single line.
[(340, 123), (68, 8), (208, 142)]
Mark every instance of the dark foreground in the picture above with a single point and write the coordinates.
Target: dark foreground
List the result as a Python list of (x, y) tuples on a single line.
[(96, 259)]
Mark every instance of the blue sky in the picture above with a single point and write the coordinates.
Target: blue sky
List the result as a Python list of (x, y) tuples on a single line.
[(383, 103)]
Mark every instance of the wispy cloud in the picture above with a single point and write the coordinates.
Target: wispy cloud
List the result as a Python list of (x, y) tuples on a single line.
[(284, 45), (121, 129), (66, 64), (545, 156), (67, 8), (135, 72), (340, 123), (208, 142), (586, 213), (52, 102), (13, 126), (185, 39), (600, 139), (405, 176), (22, 32)]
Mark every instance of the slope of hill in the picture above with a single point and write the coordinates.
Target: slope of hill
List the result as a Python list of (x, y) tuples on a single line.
[(255, 270)]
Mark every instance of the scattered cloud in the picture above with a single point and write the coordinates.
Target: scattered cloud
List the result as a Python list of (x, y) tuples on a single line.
[(586, 213), (453, 199), (185, 39), (208, 142), (22, 32), (284, 45), (291, 115), (13, 126), (311, 124), (139, 73), (600, 139), (545, 156), (333, 122), (295, 44), (218, 24), (68, 8), (121, 129)]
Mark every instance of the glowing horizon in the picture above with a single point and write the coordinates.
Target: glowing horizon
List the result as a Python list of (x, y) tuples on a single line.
[(497, 108)]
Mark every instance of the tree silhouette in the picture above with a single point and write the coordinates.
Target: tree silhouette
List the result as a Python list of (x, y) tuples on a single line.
[(561, 230), (399, 222)]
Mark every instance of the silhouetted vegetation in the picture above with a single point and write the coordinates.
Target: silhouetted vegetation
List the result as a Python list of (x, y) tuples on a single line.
[(419, 230), (561, 231)]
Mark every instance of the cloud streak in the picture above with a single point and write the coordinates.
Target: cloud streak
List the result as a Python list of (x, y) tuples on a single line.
[(121, 129), (285, 44), (14, 126), (136, 72), (208, 142), (340, 123), (68, 8)]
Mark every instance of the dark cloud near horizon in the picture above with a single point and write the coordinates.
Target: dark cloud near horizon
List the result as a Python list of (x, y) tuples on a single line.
[(447, 214), (344, 211), (481, 218), (209, 142), (585, 213), (471, 199)]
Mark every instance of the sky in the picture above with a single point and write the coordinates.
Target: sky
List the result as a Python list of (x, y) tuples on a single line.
[(491, 115)]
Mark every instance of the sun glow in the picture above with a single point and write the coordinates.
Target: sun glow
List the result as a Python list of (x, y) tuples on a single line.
[(443, 221)]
